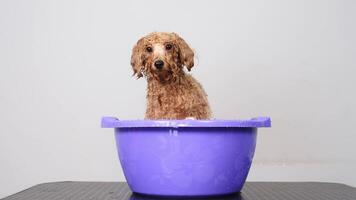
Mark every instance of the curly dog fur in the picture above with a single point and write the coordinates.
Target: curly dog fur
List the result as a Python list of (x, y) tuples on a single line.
[(171, 93)]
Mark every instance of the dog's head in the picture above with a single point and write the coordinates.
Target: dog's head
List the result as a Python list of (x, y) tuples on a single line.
[(161, 56)]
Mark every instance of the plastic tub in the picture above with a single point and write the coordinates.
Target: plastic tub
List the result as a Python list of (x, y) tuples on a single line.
[(185, 157)]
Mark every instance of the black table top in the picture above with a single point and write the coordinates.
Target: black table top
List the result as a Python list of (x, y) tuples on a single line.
[(251, 191)]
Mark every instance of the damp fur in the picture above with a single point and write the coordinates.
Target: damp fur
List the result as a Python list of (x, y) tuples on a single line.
[(172, 93)]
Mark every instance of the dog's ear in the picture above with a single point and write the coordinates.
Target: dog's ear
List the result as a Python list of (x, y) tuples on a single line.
[(186, 54), (136, 59)]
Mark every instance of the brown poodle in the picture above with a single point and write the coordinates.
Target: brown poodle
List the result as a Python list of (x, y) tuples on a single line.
[(171, 93)]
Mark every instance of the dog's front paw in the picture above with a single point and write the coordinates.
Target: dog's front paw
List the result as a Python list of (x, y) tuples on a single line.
[(190, 118)]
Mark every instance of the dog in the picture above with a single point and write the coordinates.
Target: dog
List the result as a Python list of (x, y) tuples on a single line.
[(171, 92)]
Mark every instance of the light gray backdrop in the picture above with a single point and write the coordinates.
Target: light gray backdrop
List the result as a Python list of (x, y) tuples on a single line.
[(65, 63)]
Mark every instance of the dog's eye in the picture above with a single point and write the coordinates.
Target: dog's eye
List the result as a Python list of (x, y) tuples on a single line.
[(149, 49), (168, 46)]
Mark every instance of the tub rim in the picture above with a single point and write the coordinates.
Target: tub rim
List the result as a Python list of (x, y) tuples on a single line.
[(256, 122)]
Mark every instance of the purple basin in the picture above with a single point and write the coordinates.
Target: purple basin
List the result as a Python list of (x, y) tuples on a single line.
[(185, 157)]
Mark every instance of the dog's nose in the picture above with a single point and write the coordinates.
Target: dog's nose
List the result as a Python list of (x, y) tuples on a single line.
[(159, 64)]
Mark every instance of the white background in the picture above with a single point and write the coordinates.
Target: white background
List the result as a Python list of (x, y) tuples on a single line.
[(65, 63)]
